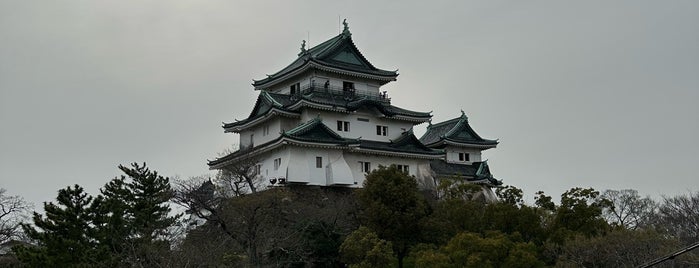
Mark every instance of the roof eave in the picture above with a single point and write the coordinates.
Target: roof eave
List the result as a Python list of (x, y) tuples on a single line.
[(269, 115), (396, 153), (468, 145), (272, 81)]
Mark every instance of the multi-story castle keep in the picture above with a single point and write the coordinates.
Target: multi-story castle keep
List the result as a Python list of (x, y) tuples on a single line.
[(323, 120)]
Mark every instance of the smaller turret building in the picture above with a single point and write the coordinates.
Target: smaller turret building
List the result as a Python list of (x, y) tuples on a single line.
[(323, 120)]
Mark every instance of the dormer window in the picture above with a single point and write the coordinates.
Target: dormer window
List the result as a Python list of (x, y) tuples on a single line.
[(295, 89)]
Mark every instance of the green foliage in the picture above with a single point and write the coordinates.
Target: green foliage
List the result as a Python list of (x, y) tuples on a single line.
[(580, 212), (323, 241), (393, 208), (64, 235), (510, 219), (493, 249), (124, 226), (544, 201), (510, 195), (363, 248)]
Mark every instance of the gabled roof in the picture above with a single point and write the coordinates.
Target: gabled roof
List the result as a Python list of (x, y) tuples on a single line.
[(315, 131), (405, 143), (456, 131), (477, 172), (266, 106), (270, 104), (338, 54)]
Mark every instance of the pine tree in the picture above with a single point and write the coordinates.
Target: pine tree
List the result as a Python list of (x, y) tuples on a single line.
[(134, 216), (64, 235)]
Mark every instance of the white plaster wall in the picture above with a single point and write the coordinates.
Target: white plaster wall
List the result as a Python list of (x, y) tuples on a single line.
[(453, 154), (298, 165), (303, 165), (319, 78), (245, 138), (417, 167), (276, 126), (365, 130), (267, 164)]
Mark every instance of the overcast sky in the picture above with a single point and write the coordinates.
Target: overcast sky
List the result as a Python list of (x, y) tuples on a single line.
[(596, 94)]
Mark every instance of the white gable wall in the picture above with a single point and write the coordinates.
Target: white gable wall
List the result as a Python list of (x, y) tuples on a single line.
[(363, 129), (274, 128), (453, 154)]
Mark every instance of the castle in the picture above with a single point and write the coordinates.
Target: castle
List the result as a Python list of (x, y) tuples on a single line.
[(323, 120)]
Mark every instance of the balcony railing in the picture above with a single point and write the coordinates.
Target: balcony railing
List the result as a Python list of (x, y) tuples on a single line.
[(349, 93)]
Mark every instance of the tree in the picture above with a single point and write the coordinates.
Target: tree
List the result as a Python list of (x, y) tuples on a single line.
[(392, 206), (581, 212), (65, 236), (628, 209), (13, 210), (492, 249), (239, 177), (679, 216), (363, 248), (134, 215), (510, 195), (619, 248)]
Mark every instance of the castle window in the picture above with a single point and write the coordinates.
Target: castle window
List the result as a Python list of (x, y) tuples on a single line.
[(404, 168), (343, 126), (295, 88), (365, 166), (382, 130), (256, 170), (265, 130), (277, 163), (347, 86), (319, 162), (463, 157)]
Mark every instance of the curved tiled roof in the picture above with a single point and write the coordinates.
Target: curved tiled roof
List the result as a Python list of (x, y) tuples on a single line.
[(315, 131), (292, 104), (456, 130), (338, 52), (475, 172), (406, 143), (266, 103)]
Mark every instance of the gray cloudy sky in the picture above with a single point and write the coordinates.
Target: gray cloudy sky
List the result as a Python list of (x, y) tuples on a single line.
[(596, 94)]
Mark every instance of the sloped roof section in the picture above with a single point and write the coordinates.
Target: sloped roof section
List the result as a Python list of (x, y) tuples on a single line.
[(266, 104), (478, 172), (315, 131), (456, 131), (406, 143), (338, 53)]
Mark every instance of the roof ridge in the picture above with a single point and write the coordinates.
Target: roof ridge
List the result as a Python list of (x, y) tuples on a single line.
[(445, 122), (269, 97), (457, 126), (302, 126)]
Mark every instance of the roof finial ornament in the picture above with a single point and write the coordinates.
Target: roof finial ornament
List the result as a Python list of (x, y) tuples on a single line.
[(463, 114), (346, 29), (303, 46)]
